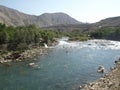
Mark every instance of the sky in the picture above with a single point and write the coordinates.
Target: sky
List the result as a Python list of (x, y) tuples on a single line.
[(88, 11)]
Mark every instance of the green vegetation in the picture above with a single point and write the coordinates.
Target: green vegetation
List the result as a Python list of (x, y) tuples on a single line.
[(23, 37), (76, 36), (112, 33)]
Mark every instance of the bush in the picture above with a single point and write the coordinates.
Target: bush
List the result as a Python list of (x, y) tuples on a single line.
[(22, 46)]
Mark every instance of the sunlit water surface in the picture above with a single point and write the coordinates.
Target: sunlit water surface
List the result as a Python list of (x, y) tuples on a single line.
[(65, 67)]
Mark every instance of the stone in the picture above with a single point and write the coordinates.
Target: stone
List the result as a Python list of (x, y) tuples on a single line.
[(101, 69)]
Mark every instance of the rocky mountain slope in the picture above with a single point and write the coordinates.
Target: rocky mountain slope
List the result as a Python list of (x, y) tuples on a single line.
[(109, 22), (59, 21), (87, 27), (13, 17)]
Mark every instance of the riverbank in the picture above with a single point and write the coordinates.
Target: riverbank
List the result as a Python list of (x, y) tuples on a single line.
[(110, 81), (24, 55)]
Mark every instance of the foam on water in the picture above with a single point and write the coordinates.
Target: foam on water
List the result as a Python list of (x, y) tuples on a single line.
[(45, 45), (105, 44), (93, 44)]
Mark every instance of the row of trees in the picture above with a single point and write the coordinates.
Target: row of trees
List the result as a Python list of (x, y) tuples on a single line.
[(15, 38)]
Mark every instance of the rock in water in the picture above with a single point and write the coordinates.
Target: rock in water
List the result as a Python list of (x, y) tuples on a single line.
[(101, 69)]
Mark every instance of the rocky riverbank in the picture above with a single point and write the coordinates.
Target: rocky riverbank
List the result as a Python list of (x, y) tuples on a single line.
[(110, 81), (25, 55)]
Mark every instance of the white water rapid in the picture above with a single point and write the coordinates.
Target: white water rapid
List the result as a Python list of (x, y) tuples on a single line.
[(93, 44)]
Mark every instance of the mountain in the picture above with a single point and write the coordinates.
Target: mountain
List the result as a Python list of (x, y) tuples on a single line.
[(59, 20), (13, 17), (87, 27), (109, 22)]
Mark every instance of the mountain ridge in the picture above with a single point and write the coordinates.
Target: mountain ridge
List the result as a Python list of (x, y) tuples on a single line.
[(111, 21), (16, 18)]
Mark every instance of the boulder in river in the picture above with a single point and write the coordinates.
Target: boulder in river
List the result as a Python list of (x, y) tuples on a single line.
[(101, 69)]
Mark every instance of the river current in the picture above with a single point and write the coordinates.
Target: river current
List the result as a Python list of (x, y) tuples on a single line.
[(66, 66)]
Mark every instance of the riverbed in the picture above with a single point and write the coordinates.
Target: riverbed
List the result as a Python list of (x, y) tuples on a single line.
[(66, 66)]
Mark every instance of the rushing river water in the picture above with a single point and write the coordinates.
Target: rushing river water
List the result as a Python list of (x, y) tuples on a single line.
[(66, 66)]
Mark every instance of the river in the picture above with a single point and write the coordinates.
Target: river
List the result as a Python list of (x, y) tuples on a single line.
[(66, 66)]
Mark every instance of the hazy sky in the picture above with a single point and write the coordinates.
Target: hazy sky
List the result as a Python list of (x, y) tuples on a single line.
[(82, 10)]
